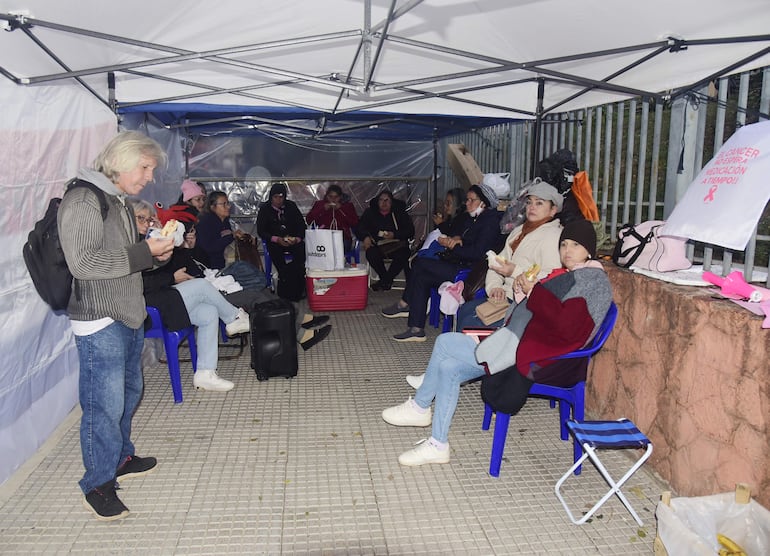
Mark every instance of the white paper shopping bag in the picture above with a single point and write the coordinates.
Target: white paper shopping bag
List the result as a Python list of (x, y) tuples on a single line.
[(324, 250)]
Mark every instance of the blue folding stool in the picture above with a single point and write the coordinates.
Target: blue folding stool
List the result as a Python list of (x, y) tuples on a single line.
[(602, 435)]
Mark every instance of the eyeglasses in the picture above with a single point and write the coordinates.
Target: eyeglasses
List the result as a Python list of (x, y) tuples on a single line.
[(223, 204), (145, 219), (472, 199)]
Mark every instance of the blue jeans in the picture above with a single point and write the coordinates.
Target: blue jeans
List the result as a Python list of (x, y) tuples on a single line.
[(205, 306), (452, 362), (110, 387)]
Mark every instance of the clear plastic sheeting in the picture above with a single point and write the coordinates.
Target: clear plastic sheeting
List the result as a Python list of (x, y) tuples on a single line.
[(246, 167), (45, 135)]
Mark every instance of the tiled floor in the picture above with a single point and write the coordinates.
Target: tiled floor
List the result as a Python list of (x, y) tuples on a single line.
[(307, 466)]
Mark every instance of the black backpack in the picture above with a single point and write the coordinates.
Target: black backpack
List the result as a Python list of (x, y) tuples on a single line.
[(43, 254)]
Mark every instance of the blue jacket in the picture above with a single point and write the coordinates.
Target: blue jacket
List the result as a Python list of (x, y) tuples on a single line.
[(479, 235)]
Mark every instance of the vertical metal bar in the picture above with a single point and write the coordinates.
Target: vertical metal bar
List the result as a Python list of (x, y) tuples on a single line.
[(701, 134), (536, 135), (597, 157), (764, 108), (629, 164), (641, 165), (607, 160), (589, 122), (617, 167), (571, 133), (719, 132), (563, 130), (578, 144), (751, 248)]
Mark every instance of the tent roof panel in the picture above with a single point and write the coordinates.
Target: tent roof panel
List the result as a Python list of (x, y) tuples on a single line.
[(474, 58)]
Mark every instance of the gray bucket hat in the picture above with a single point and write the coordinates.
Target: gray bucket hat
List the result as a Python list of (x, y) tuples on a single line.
[(547, 192)]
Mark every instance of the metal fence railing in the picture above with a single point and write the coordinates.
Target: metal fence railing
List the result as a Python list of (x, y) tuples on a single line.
[(633, 154)]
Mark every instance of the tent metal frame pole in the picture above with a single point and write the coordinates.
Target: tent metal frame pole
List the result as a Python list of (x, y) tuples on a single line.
[(61, 63), (706, 80), (181, 55), (618, 73), (373, 62), (241, 91)]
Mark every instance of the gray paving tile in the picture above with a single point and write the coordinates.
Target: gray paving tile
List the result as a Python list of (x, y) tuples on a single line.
[(307, 466)]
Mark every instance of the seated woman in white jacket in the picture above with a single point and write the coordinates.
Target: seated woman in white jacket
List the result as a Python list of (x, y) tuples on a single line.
[(536, 241)]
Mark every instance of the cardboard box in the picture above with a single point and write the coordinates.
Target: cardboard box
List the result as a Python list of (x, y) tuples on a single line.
[(338, 290), (463, 165)]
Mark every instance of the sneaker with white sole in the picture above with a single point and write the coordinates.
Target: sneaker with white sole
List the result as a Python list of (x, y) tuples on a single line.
[(395, 311), (240, 325), (407, 415), (209, 380), (424, 452), (135, 466), (410, 335), (415, 381)]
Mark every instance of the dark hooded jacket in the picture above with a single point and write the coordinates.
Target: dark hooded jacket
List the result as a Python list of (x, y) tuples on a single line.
[(397, 221)]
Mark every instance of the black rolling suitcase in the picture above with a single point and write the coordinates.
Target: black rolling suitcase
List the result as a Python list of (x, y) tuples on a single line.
[(274, 339)]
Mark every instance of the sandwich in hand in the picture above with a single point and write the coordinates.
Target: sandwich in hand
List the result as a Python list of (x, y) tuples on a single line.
[(169, 229)]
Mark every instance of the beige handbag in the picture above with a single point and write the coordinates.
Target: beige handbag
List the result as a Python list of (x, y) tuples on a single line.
[(491, 311)]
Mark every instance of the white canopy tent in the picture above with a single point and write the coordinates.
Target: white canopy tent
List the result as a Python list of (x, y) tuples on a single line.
[(309, 67)]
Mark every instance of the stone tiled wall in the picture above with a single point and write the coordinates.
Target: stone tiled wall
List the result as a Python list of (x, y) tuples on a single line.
[(693, 373)]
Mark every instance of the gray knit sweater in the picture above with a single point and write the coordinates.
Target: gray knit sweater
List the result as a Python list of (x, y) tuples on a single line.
[(105, 257)]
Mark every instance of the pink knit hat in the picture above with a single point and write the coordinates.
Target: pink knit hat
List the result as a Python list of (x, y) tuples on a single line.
[(190, 189)]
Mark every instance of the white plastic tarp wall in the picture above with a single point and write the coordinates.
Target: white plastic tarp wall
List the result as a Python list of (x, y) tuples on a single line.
[(46, 133)]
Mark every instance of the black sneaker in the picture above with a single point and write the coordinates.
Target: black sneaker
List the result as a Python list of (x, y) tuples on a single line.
[(104, 502), (134, 466)]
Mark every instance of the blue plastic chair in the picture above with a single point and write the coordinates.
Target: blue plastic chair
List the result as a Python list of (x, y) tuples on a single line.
[(171, 341), (571, 400), (434, 317)]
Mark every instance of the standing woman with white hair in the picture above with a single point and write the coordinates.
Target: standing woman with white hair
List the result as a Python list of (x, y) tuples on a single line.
[(107, 311)]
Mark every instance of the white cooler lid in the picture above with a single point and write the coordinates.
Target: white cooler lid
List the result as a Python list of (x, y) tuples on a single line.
[(360, 270)]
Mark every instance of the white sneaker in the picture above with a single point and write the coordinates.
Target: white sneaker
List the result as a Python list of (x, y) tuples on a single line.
[(406, 415), (240, 325), (209, 380), (424, 452), (415, 381)]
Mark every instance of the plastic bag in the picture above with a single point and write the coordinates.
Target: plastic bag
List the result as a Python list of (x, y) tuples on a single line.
[(690, 525), (499, 184), (514, 214)]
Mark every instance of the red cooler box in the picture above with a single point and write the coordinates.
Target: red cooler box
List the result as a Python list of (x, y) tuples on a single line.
[(338, 290)]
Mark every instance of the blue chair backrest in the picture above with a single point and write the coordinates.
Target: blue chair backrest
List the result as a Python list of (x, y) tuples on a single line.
[(157, 325)]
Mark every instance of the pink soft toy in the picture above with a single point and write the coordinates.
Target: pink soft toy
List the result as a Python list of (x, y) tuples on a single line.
[(451, 297)]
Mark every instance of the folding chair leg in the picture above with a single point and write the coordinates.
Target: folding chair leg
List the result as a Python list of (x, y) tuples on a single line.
[(589, 451)]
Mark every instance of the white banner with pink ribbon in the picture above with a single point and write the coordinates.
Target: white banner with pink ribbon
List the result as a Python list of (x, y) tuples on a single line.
[(725, 201)]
